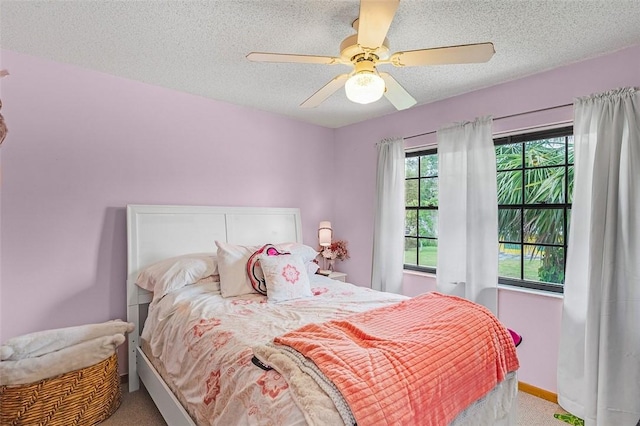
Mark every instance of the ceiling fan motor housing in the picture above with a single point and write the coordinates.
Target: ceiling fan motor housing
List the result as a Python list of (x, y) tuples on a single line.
[(365, 66)]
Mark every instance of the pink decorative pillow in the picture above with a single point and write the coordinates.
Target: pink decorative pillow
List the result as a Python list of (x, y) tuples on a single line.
[(286, 277)]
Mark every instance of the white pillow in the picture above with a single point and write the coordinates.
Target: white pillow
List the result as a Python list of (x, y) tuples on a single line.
[(305, 252), (211, 279), (232, 264), (171, 274), (286, 277), (312, 268)]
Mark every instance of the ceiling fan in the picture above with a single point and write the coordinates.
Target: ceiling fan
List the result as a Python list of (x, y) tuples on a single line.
[(369, 48)]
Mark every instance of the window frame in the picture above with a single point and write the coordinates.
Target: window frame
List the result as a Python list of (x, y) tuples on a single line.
[(418, 208), (522, 138), (566, 204)]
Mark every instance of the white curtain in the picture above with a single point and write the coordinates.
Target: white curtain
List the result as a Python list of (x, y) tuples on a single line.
[(468, 213), (599, 358), (388, 236)]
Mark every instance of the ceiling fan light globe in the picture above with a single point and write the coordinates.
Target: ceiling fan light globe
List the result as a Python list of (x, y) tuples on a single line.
[(364, 88)]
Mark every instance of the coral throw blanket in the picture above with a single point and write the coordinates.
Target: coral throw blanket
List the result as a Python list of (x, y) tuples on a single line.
[(421, 361)]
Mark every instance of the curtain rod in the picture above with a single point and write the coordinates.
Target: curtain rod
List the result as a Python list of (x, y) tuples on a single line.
[(500, 118)]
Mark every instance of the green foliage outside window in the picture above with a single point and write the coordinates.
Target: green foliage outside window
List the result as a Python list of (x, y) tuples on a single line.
[(534, 198)]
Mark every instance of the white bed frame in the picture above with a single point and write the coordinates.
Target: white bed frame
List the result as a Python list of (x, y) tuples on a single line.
[(159, 232)]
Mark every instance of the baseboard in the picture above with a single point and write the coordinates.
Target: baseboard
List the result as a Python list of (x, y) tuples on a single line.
[(540, 393)]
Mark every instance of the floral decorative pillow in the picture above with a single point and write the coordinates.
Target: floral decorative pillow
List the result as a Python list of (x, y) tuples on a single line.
[(286, 277), (254, 270)]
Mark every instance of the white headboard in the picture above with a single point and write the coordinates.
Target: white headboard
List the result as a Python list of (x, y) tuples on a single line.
[(159, 232)]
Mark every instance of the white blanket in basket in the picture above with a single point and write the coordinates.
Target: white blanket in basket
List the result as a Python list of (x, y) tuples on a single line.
[(44, 354)]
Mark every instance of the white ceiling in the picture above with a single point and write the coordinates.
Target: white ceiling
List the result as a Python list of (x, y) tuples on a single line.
[(199, 47)]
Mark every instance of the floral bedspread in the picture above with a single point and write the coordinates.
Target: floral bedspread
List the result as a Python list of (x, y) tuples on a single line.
[(205, 342)]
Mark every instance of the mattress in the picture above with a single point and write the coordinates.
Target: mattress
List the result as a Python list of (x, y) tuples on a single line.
[(201, 344)]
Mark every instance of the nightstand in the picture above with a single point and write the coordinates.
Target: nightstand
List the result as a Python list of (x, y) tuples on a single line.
[(338, 276)]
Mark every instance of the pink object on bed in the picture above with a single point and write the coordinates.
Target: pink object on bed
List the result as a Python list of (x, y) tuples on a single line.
[(421, 361), (517, 339)]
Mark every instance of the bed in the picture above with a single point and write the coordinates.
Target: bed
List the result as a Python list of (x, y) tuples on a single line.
[(192, 329)]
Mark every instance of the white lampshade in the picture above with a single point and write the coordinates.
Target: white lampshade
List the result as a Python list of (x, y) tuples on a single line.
[(364, 87), (325, 233)]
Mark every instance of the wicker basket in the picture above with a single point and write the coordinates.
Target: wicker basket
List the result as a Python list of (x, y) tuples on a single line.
[(81, 397)]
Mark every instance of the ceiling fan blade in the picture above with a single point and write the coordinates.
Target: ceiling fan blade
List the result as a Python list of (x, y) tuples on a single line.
[(285, 57), (396, 94), (464, 54), (374, 21), (326, 91)]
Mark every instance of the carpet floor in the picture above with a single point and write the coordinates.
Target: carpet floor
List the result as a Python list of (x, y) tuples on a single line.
[(137, 409)]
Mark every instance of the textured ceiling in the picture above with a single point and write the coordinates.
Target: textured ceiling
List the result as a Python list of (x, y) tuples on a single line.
[(199, 47)]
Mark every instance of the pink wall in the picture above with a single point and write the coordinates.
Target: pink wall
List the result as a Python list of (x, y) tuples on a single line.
[(82, 145), (536, 317)]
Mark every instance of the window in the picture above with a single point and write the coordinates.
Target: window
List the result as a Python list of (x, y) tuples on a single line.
[(535, 186), (421, 211)]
